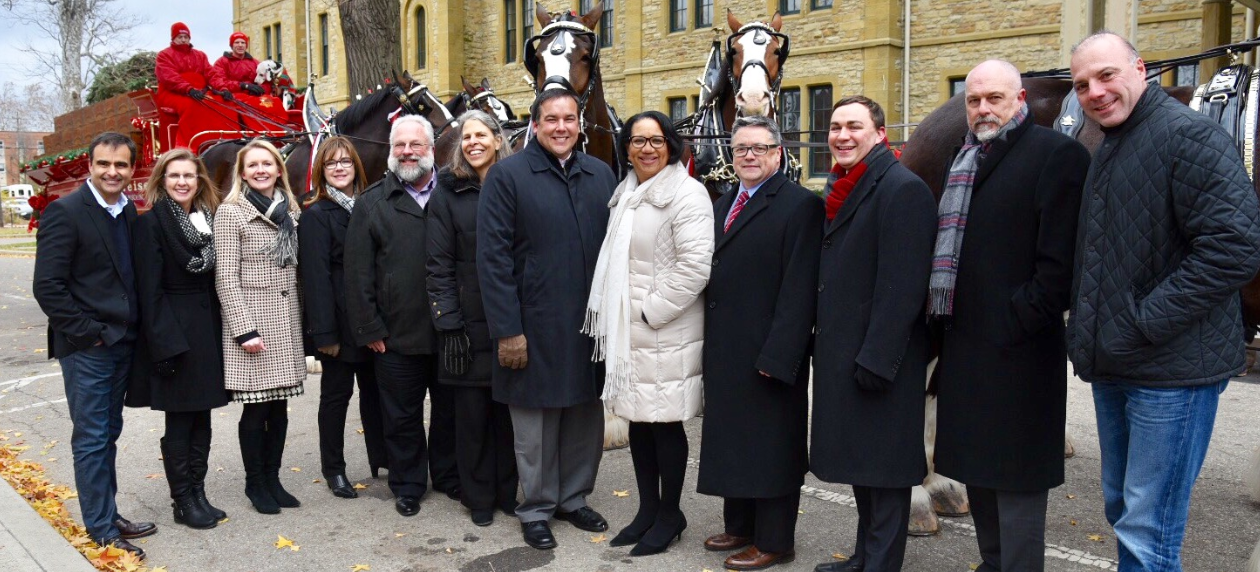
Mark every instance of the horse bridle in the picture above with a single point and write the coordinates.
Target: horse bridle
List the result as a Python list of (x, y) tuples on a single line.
[(759, 30), (409, 108), (531, 63), (485, 96)]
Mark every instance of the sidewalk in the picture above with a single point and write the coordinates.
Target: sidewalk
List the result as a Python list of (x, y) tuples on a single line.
[(28, 543)]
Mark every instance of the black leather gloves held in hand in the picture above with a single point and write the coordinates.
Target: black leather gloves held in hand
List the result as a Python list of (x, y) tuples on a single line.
[(456, 356), (225, 94), (868, 381), (252, 88), (165, 368), (197, 94)]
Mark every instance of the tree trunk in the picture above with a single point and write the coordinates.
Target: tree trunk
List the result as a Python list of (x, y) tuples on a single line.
[(370, 32), (72, 17)]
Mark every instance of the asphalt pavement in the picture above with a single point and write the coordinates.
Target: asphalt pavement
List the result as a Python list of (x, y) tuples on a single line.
[(334, 534)]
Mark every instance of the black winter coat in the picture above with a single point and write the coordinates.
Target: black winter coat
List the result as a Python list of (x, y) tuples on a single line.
[(759, 318), (321, 254), (179, 321), (872, 290), (1169, 231), (454, 292), (539, 230), (385, 259), (1002, 374)]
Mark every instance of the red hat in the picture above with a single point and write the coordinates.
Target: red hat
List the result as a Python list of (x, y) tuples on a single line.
[(179, 28), (238, 36)]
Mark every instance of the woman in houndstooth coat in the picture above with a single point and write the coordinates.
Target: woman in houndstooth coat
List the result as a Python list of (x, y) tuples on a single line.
[(255, 233)]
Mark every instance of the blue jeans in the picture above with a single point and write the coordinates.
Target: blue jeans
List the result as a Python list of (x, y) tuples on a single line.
[(1153, 442), (96, 380)]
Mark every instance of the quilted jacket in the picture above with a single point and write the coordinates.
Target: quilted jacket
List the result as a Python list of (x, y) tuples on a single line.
[(1169, 231)]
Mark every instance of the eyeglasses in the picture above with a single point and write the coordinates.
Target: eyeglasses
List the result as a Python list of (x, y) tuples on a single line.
[(343, 163), (182, 176), (417, 146), (641, 142), (758, 149)]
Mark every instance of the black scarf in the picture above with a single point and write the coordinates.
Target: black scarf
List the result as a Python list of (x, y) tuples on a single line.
[(285, 248), (192, 250)]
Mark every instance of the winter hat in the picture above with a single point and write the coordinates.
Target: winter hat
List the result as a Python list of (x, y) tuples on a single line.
[(179, 28), (238, 36)]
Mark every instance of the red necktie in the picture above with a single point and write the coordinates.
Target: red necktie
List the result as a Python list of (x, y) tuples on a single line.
[(739, 206)]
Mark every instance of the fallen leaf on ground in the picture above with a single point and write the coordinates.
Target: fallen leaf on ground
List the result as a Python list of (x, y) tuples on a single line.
[(296, 469), (18, 434), (598, 538), (399, 534), (283, 542), (1095, 537), (1072, 522), (624, 493), (973, 566), (840, 557), (360, 568), (316, 481), (359, 431), (359, 486), (1071, 497), (153, 476)]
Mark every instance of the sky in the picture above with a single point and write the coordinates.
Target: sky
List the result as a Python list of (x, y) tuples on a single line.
[(210, 22)]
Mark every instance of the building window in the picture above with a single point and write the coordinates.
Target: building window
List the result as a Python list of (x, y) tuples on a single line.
[(704, 13), (323, 44), (695, 102), (677, 108), (605, 23), (527, 20), (421, 39), (789, 7), (790, 117), (677, 15), (1186, 75), (819, 125), (957, 85), (41, 147), (509, 30), (279, 45), (267, 41), (819, 4)]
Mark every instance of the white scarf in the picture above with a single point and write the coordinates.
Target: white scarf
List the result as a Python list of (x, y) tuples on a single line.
[(608, 308)]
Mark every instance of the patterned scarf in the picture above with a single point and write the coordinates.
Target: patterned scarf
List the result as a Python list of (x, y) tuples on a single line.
[(842, 186), (341, 198), (188, 235), (285, 248), (952, 217)]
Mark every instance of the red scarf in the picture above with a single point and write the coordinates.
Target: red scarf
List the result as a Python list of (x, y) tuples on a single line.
[(845, 183)]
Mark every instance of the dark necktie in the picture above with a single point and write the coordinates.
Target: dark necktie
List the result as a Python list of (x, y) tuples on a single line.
[(739, 206)]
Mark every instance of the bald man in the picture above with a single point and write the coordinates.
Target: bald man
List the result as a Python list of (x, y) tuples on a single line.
[(1170, 230), (997, 300)]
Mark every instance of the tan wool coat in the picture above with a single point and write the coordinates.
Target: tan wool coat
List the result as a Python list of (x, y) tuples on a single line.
[(257, 296), (671, 249)]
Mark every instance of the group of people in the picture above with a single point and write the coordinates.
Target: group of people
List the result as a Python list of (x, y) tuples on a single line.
[(525, 293)]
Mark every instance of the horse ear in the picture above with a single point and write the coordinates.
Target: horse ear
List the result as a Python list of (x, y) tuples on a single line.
[(394, 72), (733, 22), (485, 83), (776, 21), (591, 19), (467, 86), (541, 13)]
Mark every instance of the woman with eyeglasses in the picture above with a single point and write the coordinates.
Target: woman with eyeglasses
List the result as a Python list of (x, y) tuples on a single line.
[(337, 179), (646, 314), (178, 365), (485, 456)]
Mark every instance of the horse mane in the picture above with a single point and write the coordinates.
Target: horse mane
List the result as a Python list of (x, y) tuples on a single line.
[(357, 112), (453, 104)]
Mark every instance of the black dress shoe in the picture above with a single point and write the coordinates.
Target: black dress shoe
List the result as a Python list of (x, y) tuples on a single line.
[(122, 544), (483, 516), (452, 491), (341, 487), (538, 535), (849, 565), (584, 518), (407, 506), (129, 530)]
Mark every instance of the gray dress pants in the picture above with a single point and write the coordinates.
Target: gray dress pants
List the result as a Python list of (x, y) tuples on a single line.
[(557, 456)]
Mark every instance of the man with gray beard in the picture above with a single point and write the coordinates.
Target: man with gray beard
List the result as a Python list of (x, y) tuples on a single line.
[(388, 305)]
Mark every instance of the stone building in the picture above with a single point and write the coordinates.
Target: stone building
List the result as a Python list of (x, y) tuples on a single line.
[(653, 50), (17, 147)]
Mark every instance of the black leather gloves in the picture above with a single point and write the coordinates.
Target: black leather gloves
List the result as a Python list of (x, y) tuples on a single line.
[(868, 381), (251, 88), (197, 94), (456, 354)]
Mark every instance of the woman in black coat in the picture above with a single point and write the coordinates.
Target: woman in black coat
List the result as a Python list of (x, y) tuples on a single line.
[(179, 358), (483, 427), (337, 178)]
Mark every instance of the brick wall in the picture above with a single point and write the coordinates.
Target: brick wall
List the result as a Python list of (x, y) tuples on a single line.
[(76, 129)]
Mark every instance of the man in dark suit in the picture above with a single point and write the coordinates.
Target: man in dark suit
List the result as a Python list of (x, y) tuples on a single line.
[(871, 363), (388, 308), (998, 297), (540, 224), (756, 351), (85, 284)]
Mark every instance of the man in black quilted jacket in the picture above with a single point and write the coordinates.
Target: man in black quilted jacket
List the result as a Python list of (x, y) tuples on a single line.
[(1169, 231)]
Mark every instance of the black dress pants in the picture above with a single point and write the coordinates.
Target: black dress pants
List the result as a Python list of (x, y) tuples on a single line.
[(336, 386), (770, 522), (883, 518), (1010, 529), (484, 453), (403, 381)]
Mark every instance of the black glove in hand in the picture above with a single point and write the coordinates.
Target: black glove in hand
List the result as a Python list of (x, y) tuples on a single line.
[(197, 94), (165, 368), (252, 88), (455, 352), (225, 94), (868, 381)]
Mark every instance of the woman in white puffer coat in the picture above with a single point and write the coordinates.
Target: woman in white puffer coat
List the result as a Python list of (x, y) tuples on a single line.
[(646, 312)]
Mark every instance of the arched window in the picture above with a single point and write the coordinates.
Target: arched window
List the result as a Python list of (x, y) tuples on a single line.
[(421, 37)]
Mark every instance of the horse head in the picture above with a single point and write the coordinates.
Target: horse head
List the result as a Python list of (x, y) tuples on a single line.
[(755, 53), (565, 53), (482, 97)]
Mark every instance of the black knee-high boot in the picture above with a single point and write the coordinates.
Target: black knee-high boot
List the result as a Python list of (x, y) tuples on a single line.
[(199, 464), (175, 461), (253, 450), (277, 430), (647, 476)]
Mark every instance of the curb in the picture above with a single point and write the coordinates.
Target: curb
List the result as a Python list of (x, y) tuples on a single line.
[(28, 542)]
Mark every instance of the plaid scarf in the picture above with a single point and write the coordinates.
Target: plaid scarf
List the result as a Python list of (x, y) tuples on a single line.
[(340, 198), (952, 217)]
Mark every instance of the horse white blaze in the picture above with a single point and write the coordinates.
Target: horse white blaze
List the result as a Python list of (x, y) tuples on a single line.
[(754, 87), (500, 112), (556, 62)]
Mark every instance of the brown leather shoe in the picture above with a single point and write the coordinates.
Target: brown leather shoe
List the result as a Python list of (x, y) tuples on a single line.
[(132, 530), (723, 542), (752, 559)]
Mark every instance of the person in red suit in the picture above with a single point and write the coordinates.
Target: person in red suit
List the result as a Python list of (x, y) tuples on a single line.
[(239, 69), (185, 80)]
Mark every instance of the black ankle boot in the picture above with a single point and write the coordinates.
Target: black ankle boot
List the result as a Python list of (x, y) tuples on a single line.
[(188, 512), (252, 448), (274, 439)]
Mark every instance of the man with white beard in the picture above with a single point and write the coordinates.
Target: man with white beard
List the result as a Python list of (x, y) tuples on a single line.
[(385, 254)]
